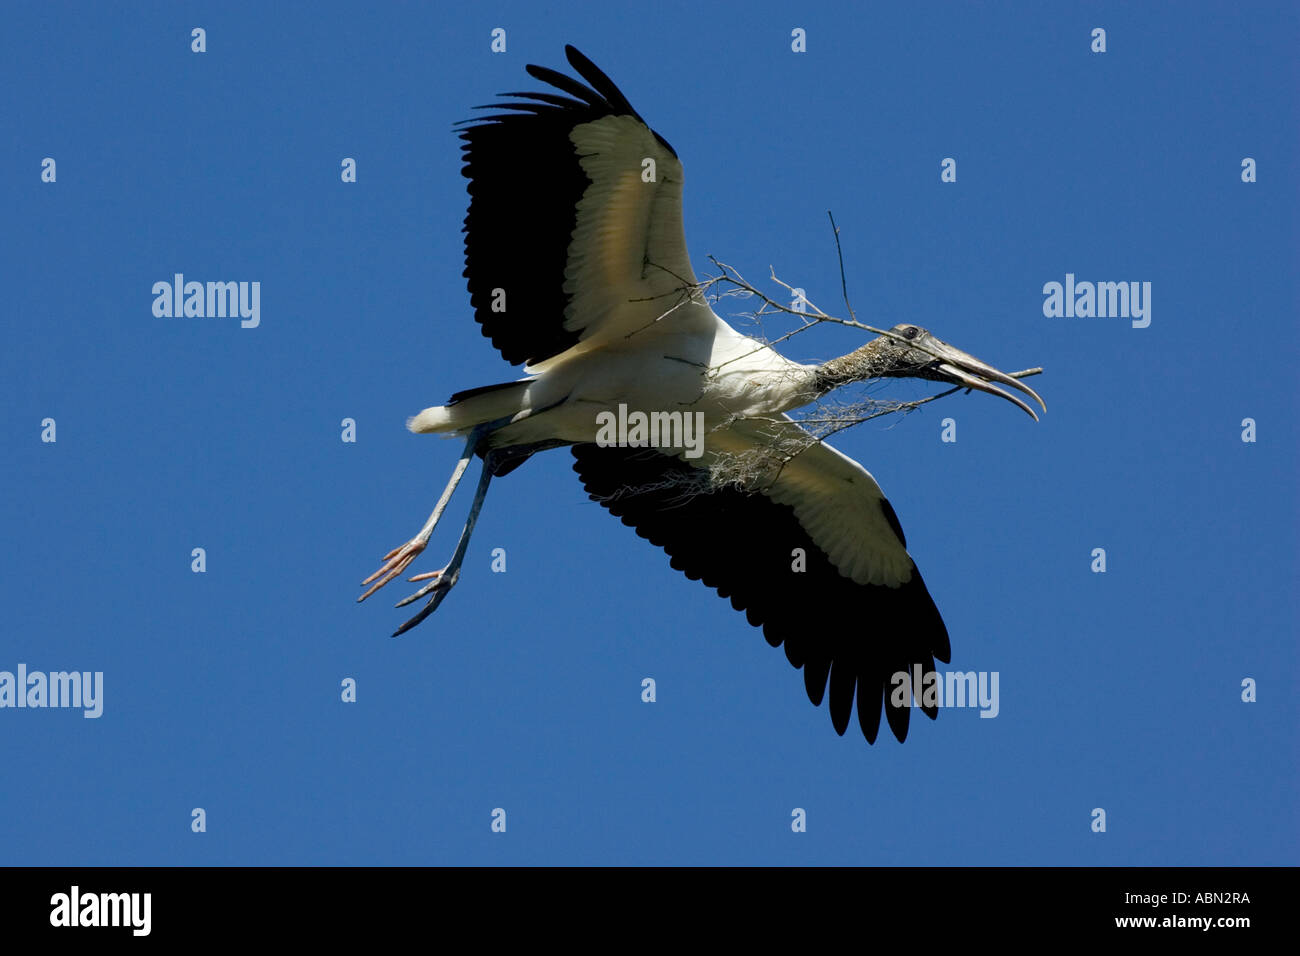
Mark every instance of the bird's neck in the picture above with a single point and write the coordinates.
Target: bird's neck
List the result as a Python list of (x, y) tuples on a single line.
[(858, 365)]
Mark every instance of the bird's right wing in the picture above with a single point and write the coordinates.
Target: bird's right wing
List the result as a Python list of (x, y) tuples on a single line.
[(811, 553), (574, 233)]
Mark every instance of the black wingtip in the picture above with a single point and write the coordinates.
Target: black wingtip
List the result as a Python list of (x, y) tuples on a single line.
[(898, 719), (601, 83), (580, 61), (868, 708)]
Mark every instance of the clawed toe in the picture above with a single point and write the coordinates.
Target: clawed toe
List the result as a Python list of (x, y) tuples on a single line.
[(438, 581), (395, 563), (440, 588)]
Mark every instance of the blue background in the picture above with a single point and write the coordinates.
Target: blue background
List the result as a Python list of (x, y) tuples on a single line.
[(222, 690)]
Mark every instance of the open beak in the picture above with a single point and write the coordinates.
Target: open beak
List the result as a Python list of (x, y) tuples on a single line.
[(961, 369)]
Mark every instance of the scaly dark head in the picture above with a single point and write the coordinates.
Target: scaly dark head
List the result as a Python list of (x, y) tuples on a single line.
[(909, 351)]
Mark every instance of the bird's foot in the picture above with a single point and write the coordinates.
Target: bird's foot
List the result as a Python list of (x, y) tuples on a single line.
[(395, 563), (440, 585), (442, 580)]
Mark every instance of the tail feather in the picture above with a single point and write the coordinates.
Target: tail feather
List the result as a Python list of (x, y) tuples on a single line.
[(474, 406)]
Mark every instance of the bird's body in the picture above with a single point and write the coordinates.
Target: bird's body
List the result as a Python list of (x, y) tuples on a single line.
[(697, 365), (577, 266)]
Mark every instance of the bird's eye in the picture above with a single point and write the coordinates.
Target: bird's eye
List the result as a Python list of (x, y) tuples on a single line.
[(910, 332)]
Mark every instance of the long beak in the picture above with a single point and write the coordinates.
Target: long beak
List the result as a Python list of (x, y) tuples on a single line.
[(962, 369)]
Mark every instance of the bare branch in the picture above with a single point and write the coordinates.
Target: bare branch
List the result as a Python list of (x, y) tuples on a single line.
[(844, 283)]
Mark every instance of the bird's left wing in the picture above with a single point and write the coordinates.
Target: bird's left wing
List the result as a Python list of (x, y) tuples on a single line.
[(809, 548), (574, 233)]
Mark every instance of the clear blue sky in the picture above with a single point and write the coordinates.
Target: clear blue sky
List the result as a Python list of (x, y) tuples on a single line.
[(222, 690)]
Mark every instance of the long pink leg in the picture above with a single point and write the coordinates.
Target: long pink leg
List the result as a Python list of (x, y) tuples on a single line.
[(395, 561), (441, 582)]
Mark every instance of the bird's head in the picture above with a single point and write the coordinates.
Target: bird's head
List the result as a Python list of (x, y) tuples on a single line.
[(909, 351)]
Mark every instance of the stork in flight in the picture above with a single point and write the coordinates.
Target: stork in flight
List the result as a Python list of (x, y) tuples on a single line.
[(577, 266)]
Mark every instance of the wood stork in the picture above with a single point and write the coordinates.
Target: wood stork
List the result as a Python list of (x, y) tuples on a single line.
[(577, 266)]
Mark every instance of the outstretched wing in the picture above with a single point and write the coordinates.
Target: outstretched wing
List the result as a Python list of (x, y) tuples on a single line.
[(855, 616), (574, 231)]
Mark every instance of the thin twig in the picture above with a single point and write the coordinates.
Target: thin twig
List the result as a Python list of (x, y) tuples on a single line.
[(844, 283)]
